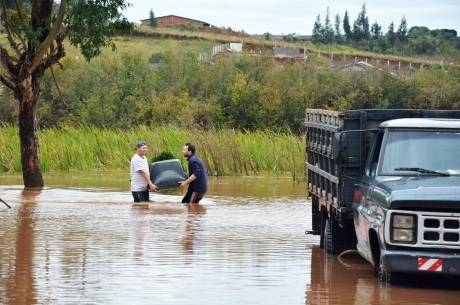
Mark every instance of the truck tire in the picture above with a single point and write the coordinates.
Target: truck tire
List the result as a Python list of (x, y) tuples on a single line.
[(329, 237), (383, 275), (337, 239), (386, 276), (322, 230), (315, 216)]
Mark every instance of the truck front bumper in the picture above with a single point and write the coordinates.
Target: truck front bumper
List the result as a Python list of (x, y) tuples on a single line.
[(421, 262)]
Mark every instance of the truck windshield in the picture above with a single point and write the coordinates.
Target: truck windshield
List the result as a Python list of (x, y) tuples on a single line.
[(425, 151)]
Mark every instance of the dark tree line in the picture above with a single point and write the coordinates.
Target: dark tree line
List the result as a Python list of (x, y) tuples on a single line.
[(361, 34)]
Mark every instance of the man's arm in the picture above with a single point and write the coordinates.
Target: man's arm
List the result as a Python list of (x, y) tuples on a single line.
[(152, 186), (196, 173), (188, 181)]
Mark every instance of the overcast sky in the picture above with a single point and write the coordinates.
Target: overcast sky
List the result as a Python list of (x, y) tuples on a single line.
[(298, 16)]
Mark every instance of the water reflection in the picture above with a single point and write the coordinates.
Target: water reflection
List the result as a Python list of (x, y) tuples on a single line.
[(352, 282), (71, 246), (21, 286), (192, 225), (138, 230)]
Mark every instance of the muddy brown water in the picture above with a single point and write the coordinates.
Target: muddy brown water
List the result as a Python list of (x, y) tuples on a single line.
[(80, 241)]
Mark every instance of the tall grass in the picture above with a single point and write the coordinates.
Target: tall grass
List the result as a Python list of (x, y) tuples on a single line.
[(225, 152)]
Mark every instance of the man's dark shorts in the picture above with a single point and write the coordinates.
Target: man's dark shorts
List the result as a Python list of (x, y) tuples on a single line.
[(141, 196), (192, 197)]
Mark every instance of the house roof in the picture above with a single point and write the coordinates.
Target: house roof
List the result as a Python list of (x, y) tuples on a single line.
[(177, 17)]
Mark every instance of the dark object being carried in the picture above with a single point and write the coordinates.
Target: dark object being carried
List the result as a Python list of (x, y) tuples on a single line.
[(167, 174)]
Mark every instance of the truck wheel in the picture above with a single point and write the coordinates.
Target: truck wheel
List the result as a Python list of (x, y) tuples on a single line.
[(383, 275), (315, 216), (322, 229), (386, 276), (336, 239), (329, 234)]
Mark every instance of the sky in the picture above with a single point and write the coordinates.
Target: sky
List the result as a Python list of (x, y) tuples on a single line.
[(298, 16)]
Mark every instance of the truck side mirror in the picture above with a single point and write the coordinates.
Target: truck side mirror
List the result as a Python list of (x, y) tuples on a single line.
[(338, 145)]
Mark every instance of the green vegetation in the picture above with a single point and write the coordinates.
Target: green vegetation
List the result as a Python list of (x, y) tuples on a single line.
[(161, 82), (416, 41), (226, 152), (245, 113)]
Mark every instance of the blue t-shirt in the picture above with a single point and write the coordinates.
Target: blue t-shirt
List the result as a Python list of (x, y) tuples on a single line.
[(197, 168)]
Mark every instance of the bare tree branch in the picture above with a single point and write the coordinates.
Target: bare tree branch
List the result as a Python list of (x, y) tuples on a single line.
[(55, 54), (57, 86), (19, 9), (7, 62), (7, 82), (7, 26), (37, 59)]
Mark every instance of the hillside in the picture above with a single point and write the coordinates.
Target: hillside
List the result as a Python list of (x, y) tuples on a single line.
[(323, 49), (161, 82)]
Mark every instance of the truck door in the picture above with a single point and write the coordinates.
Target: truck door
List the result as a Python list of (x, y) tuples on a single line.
[(362, 203)]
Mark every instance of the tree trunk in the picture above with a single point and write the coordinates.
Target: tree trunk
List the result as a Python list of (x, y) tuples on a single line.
[(31, 172)]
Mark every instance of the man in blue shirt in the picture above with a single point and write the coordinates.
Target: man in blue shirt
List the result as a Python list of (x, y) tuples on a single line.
[(198, 179)]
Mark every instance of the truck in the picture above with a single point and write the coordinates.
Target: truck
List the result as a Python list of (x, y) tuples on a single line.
[(387, 183)]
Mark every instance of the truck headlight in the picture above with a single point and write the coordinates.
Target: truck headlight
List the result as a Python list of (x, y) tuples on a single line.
[(403, 221), (403, 228)]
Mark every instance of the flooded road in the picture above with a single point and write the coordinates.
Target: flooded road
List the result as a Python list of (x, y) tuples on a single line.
[(85, 244)]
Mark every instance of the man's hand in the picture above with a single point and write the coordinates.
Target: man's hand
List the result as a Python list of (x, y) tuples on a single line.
[(183, 184), (153, 187)]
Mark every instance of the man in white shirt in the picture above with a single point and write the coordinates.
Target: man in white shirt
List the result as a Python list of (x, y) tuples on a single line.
[(140, 174)]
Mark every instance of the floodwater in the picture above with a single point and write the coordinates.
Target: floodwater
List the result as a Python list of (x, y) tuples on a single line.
[(80, 241)]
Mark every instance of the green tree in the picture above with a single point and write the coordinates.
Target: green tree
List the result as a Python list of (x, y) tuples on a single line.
[(317, 34), (245, 107), (391, 36), (376, 35), (376, 31), (402, 31), (361, 26), (152, 19), (35, 36), (346, 27), (328, 31), (338, 31), (417, 32)]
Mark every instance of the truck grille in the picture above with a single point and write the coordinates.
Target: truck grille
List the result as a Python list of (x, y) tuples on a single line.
[(439, 229), (434, 229)]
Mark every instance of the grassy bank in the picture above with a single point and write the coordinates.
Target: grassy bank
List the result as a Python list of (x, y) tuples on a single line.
[(226, 152)]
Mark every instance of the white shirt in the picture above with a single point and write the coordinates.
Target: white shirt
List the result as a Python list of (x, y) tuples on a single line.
[(138, 183)]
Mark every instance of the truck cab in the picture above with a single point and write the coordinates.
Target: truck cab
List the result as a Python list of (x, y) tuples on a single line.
[(406, 206), (386, 182)]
